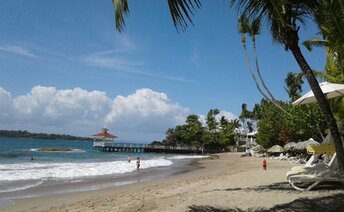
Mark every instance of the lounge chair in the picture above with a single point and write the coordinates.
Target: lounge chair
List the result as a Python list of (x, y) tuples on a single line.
[(307, 177), (295, 160), (311, 177), (320, 154), (311, 167), (281, 157)]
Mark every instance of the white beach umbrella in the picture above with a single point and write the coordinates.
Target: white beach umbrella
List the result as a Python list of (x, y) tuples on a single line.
[(330, 90)]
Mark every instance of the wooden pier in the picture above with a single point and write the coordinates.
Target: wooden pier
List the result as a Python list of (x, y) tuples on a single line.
[(147, 148)]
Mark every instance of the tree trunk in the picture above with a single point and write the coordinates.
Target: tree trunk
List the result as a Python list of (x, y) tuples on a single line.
[(273, 101), (324, 106)]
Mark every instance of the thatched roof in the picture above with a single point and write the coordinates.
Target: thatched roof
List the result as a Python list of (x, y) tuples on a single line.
[(303, 145), (276, 149), (289, 146)]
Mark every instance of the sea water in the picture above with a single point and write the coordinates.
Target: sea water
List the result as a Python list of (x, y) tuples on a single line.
[(25, 171)]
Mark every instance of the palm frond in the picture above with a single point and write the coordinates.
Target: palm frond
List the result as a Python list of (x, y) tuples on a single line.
[(181, 10), (243, 25), (315, 42), (331, 20), (255, 26), (120, 8), (281, 15)]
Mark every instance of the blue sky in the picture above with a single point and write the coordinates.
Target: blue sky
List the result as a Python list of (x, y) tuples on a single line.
[(64, 68)]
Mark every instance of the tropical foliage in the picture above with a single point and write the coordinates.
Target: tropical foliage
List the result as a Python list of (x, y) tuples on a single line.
[(331, 20), (216, 134), (293, 85), (298, 124)]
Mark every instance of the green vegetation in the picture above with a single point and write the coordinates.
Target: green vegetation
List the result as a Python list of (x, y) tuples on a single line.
[(298, 124), (216, 135), (26, 134)]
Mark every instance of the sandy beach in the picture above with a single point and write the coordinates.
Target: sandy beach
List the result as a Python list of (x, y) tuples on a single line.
[(225, 182)]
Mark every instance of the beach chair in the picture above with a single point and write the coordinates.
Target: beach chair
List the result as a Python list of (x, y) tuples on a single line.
[(307, 177), (295, 160), (326, 151)]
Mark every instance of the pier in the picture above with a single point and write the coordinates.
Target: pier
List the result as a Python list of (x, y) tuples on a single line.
[(146, 148), (105, 142)]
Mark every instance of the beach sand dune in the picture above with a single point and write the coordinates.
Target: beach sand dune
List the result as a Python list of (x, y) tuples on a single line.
[(225, 182)]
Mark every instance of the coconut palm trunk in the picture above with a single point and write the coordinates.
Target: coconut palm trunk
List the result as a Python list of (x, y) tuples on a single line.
[(245, 27), (292, 42)]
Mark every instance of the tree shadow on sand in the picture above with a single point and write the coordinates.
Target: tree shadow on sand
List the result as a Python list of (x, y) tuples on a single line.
[(329, 203), (286, 187), (321, 204)]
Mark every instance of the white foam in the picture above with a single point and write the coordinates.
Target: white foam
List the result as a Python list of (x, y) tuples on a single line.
[(23, 187), (182, 157), (72, 150), (36, 171)]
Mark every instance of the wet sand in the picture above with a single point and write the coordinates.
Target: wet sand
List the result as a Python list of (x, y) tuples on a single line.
[(226, 182)]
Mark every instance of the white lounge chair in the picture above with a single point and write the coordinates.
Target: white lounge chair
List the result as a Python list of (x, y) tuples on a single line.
[(326, 151), (307, 177), (307, 180), (311, 168)]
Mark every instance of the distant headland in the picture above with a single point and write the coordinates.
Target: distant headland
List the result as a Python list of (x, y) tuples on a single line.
[(26, 134)]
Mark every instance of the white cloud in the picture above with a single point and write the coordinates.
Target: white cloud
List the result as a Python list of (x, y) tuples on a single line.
[(114, 58), (109, 59), (228, 115), (146, 110), (125, 44), (18, 50), (5, 105), (142, 116)]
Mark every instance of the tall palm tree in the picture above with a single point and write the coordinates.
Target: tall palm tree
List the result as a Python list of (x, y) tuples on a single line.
[(283, 17), (244, 28), (252, 29)]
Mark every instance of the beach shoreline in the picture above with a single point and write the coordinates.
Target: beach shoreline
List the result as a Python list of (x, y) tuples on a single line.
[(224, 182), (101, 182)]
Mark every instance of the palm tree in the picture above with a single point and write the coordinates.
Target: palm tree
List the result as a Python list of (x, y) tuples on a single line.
[(244, 115), (244, 28), (211, 119), (283, 17), (293, 85), (252, 29)]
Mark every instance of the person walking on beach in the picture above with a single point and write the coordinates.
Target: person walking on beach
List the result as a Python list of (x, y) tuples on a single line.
[(129, 159), (138, 164)]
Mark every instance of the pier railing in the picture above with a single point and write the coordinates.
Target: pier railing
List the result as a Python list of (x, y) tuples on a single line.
[(115, 147)]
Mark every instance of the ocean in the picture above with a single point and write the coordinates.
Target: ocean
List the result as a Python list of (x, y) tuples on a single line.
[(27, 172)]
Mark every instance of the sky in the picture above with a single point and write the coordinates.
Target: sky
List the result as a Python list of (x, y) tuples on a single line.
[(65, 69)]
